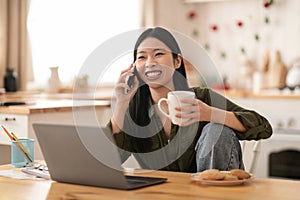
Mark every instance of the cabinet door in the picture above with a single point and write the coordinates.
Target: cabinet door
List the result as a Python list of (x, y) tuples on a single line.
[(13, 123)]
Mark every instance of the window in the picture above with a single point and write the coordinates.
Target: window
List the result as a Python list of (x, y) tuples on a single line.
[(64, 32)]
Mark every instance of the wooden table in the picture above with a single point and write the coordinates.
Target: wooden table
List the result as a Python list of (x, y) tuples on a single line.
[(178, 186)]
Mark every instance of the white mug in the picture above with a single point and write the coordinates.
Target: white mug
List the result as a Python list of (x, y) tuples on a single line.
[(173, 100)]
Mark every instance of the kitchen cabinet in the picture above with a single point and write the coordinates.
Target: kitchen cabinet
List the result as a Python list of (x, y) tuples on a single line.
[(283, 112), (13, 122), (19, 119)]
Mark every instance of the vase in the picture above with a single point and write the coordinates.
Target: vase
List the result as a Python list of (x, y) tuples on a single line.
[(10, 80), (53, 81), (293, 76)]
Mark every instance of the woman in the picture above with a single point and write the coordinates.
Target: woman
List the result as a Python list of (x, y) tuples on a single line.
[(209, 139)]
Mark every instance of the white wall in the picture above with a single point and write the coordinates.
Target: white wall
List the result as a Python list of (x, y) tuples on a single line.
[(281, 33)]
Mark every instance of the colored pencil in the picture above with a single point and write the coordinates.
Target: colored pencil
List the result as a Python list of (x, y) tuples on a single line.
[(19, 145)]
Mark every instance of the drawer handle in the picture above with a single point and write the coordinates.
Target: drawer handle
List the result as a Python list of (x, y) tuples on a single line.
[(10, 119)]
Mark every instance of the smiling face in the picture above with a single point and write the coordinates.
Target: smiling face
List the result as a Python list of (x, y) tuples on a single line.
[(155, 63)]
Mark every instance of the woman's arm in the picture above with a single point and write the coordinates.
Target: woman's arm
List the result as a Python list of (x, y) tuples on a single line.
[(224, 117), (200, 111), (212, 107), (117, 119), (122, 99)]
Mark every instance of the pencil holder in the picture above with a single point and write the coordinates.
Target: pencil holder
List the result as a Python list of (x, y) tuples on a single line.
[(22, 153)]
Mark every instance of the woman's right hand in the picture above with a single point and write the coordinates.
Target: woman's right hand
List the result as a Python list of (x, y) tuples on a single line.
[(124, 93)]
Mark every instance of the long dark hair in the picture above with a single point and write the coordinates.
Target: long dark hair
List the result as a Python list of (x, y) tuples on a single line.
[(141, 102)]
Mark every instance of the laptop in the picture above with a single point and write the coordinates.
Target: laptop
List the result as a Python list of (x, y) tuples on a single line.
[(86, 156)]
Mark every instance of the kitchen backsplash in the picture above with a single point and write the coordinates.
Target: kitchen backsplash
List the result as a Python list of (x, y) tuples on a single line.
[(237, 34)]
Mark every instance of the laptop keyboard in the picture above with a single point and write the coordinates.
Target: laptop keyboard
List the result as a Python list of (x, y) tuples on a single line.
[(132, 180), (136, 182), (142, 180)]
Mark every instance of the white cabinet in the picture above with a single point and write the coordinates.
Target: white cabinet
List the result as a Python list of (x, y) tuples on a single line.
[(102, 115), (284, 116), (21, 124), (281, 112), (13, 122)]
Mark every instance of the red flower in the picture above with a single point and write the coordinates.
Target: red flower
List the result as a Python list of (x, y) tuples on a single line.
[(268, 3), (214, 27), (239, 23), (192, 14)]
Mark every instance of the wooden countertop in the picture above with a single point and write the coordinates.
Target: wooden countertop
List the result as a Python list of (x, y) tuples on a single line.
[(43, 102), (37, 102), (178, 186), (100, 94), (267, 94), (44, 105)]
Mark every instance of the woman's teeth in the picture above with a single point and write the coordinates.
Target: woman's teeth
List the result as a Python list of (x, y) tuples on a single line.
[(152, 74)]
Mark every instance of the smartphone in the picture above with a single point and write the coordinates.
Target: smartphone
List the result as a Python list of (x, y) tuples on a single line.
[(130, 81)]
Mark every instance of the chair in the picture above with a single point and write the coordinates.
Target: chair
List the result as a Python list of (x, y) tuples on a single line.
[(252, 149)]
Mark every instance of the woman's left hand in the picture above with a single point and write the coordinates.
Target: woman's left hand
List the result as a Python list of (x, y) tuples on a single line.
[(195, 111)]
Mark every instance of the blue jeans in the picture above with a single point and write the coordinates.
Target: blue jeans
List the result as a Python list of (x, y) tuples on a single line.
[(218, 148)]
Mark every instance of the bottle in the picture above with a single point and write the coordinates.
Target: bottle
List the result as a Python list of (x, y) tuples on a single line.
[(10, 81), (257, 82), (53, 81)]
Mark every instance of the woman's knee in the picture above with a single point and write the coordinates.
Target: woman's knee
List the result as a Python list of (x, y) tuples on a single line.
[(213, 132), (219, 147), (213, 136), (215, 128), (217, 137)]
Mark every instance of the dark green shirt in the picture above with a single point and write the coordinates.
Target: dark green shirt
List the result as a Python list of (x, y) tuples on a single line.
[(152, 150)]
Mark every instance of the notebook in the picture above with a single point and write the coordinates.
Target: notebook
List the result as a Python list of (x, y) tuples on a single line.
[(86, 156)]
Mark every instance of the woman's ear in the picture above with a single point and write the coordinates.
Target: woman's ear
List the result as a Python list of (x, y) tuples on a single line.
[(178, 61)]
